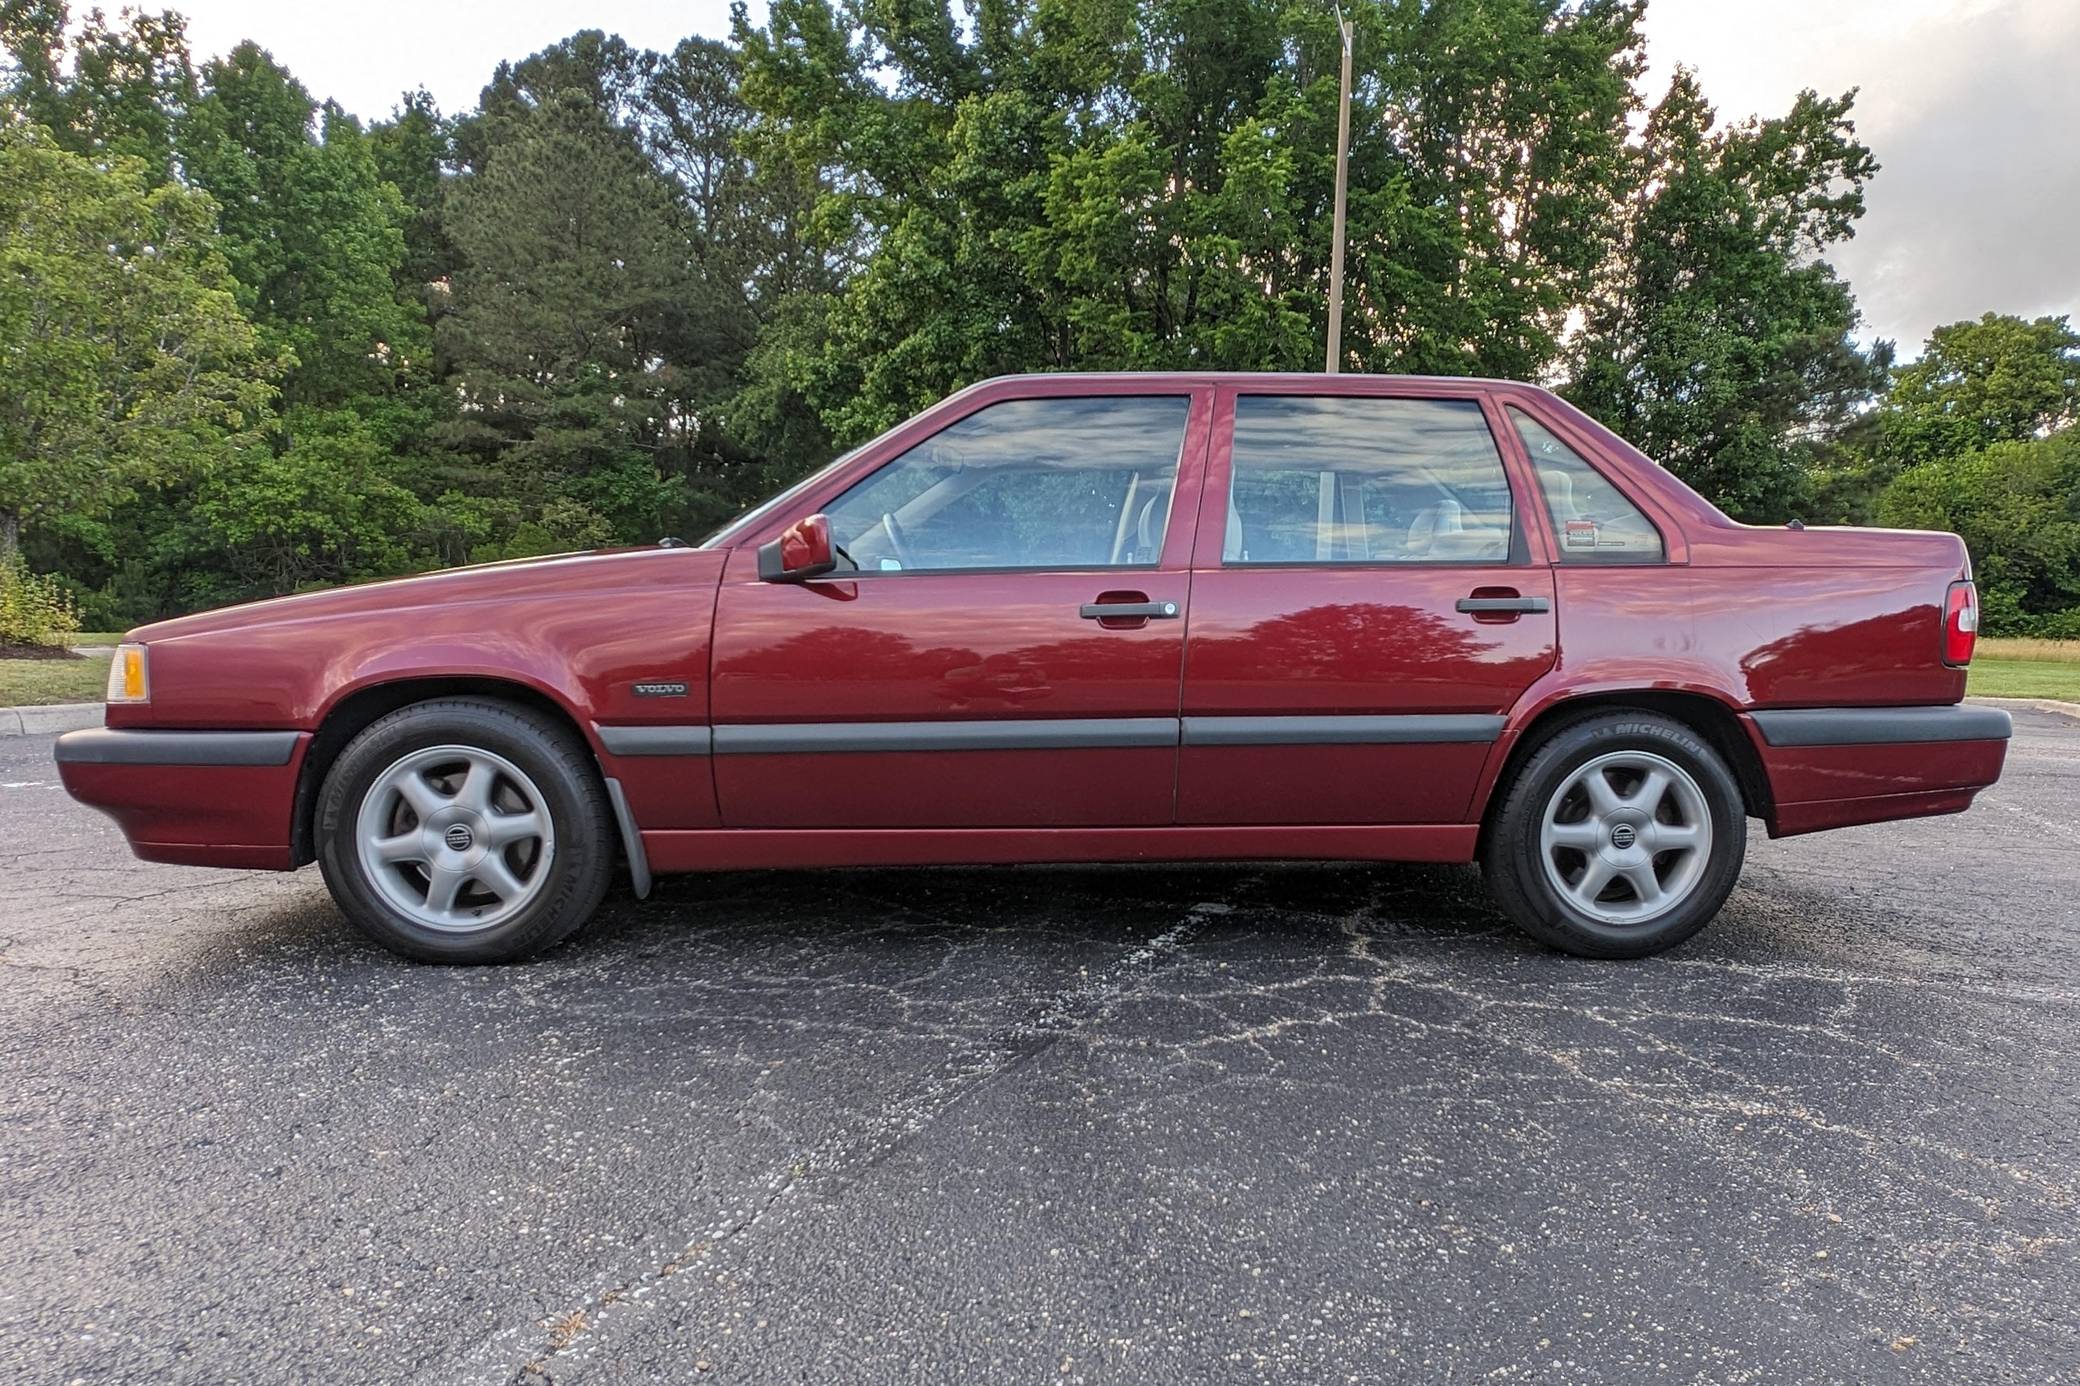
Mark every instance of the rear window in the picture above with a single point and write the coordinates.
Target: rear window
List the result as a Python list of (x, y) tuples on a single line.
[(1344, 479), (1592, 520)]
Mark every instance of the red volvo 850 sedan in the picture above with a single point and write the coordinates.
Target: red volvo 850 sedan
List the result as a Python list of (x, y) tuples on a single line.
[(1087, 618)]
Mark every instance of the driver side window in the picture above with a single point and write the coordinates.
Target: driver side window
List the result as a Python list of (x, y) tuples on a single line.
[(1059, 482)]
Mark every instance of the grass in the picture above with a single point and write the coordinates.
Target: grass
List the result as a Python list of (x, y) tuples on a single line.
[(2026, 669), (29, 682), (2033, 651), (24, 682)]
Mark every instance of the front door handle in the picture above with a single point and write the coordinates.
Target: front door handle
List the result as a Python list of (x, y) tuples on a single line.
[(1107, 611), (1492, 605)]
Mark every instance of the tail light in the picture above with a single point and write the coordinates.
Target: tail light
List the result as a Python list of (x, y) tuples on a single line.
[(1960, 624)]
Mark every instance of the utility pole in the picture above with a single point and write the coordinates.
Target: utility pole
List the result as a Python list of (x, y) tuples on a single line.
[(1343, 159)]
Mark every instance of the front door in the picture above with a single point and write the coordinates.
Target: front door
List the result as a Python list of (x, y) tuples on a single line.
[(1003, 644), (1364, 611)]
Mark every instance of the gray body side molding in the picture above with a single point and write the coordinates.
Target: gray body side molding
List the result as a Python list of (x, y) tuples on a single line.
[(110, 746), (1875, 726), (655, 741), (1341, 731), (1046, 734), (1068, 733)]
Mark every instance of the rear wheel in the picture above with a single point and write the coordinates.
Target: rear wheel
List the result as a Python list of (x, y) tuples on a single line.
[(1620, 836), (465, 831)]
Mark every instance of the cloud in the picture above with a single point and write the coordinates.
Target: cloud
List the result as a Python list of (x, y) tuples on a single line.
[(1977, 207), (1968, 106)]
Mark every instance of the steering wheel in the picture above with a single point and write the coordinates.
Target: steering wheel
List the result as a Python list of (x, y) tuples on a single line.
[(894, 532)]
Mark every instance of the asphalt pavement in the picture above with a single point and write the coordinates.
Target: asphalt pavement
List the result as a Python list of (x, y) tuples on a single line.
[(1206, 1124)]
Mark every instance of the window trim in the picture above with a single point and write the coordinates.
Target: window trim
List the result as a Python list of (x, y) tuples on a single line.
[(1069, 569), (1559, 555), (1220, 483)]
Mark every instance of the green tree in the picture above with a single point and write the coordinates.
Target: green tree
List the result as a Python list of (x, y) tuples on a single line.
[(125, 89), (313, 233), (1718, 341), (1149, 186), (126, 359), (2016, 503), (326, 508), (575, 283), (412, 150), (1979, 383), (33, 48)]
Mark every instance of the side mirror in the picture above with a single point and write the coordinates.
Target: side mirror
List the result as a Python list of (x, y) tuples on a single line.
[(803, 551)]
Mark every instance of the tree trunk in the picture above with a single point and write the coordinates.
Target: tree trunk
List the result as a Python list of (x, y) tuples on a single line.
[(10, 535)]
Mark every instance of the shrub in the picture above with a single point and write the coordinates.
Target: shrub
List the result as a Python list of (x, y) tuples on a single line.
[(2017, 507), (2059, 625), (34, 610)]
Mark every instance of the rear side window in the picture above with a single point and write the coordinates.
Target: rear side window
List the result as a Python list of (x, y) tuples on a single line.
[(1347, 479), (1592, 520), (1029, 483)]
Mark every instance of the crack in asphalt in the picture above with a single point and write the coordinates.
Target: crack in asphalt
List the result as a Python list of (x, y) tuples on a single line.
[(837, 1164)]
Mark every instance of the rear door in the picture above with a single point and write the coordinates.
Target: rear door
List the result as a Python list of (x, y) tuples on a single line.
[(964, 671), (1365, 608)]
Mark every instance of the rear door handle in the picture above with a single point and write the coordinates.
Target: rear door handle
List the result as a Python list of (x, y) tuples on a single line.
[(1490, 605), (1106, 611)]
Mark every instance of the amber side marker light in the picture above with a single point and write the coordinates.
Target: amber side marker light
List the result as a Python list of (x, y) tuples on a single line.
[(129, 676)]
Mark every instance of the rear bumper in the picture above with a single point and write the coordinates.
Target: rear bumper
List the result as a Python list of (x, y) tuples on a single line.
[(196, 798), (1834, 767)]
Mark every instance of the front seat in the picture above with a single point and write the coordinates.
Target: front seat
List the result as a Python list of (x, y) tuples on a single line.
[(1149, 528), (1434, 526)]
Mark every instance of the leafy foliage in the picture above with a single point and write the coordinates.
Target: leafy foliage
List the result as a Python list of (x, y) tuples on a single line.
[(1115, 187), (1979, 383), (2017, 506), (35, 609), (1719, 344), (313, 233), (126, 359)]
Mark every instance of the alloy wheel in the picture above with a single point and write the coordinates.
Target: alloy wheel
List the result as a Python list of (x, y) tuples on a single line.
[(1626, 838), (456, 838)]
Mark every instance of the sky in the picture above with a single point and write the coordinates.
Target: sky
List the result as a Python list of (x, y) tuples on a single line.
[(1967, 104)]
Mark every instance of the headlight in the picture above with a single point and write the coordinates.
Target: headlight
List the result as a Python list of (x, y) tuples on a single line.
[(129, 676)]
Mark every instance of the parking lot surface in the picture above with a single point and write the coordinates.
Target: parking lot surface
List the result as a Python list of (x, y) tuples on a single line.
[(1304, 1124)]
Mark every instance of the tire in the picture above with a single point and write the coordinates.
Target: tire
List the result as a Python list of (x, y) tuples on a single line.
[(1666, 865), (465, 831)]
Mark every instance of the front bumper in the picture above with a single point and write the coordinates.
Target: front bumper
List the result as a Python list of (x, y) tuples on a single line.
[(196, 798), (1834, 767)]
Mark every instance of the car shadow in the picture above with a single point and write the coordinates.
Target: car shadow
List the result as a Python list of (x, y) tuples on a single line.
[(1443, 903)]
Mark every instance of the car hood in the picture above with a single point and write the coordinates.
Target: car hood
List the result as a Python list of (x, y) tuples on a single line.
[(509, 578)]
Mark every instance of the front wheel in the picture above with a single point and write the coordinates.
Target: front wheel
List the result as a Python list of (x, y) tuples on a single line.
[(1620, 837), (465, 831)]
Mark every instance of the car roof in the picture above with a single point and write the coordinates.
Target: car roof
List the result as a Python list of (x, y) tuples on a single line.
[(1259, 378)]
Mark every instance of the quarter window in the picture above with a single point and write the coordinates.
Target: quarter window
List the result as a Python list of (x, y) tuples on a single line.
[(1349, 479), (1592, 520), (1060, 482)]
